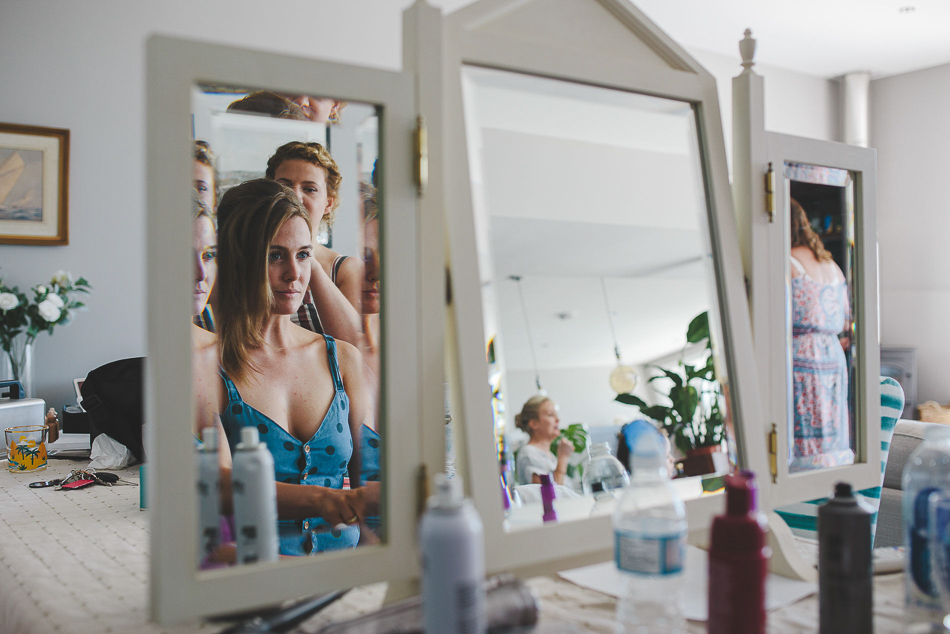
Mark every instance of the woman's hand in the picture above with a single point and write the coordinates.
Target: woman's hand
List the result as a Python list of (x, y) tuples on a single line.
[(564, 450), (341, 506)]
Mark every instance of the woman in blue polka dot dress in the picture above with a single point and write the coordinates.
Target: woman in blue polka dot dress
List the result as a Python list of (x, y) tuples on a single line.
[(301, 390)]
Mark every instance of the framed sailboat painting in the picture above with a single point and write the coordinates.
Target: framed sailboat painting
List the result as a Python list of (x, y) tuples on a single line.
[(34, 185)]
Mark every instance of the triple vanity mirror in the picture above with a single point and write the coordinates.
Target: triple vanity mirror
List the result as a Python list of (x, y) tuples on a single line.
[(582, 177)]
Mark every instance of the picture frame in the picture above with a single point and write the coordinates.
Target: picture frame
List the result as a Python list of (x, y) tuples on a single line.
[(34, 185)]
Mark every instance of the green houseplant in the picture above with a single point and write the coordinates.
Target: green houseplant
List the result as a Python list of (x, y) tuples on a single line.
[(576, 433), (694, 418)]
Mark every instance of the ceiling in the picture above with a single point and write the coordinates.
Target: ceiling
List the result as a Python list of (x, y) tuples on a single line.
[(824, 38)]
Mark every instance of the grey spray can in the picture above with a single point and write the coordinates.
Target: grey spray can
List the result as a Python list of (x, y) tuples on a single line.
[(255, 500), (845, 564), (453, 563), (209, 486)]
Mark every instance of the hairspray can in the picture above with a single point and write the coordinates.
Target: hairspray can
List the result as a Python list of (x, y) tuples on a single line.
[(255, 500), (845, 564), (209, 481), (453, 562)]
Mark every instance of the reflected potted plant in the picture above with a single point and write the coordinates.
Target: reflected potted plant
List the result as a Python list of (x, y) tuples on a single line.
[(694, 419), (577, 434)]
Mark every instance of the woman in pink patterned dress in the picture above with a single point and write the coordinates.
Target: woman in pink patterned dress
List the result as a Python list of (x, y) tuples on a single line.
[(820, 312)]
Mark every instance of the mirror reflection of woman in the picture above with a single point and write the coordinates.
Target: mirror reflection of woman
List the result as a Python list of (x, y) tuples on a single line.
[(205, 174), (370, 300), (310, 171), (303, 391), (204, 345), (539, 419), (821, 311)]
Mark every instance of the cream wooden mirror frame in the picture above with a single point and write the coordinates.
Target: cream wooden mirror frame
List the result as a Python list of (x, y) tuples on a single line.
[(618, 47), (178, 591), (764, 243)]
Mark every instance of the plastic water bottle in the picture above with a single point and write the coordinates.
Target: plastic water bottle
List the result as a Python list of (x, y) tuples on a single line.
[(650, 545), (453, 562), (208, 494), (927, 471), (255, 500), (604, 474)]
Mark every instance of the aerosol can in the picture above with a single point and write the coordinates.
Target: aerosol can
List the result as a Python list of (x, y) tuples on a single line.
[(255, 500), (209, 485)]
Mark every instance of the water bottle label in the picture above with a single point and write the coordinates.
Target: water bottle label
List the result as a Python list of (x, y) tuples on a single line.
[(650, 554)]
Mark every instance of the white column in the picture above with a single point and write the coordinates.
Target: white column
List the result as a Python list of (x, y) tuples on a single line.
[(854, 108)]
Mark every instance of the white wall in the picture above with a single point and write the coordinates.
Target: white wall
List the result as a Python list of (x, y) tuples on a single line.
[(910, 128), (803, 105)]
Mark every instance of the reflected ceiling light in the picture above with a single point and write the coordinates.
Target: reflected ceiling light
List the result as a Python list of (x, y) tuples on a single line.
[(527, 327), (623, 379)]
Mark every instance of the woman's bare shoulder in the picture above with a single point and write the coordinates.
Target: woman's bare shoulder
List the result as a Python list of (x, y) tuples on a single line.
[(204, 346), (347, 352)]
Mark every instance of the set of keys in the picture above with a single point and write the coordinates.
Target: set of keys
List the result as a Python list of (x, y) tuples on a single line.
[(80, 478)]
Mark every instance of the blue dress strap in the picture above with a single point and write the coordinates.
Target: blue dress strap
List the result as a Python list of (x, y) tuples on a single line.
[(233, 395), (334, 363)]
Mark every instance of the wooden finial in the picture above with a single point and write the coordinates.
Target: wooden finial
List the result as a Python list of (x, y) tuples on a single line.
[(747, 50)]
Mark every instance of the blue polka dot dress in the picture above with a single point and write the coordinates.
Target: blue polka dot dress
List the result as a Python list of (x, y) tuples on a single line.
[(320, 461)]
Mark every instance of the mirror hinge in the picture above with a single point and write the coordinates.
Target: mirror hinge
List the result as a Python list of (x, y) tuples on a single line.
[(770, 193), (773, 453), (422, 155), (422, 491)]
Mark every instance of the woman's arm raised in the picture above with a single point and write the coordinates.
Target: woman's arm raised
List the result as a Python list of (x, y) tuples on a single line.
[(340, 320)]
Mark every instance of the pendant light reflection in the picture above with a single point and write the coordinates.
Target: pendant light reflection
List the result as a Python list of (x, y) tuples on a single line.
[(623, 379), (527, 326)]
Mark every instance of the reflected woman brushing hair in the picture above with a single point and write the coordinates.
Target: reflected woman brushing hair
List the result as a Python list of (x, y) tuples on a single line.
[(301, 390), (309, 170)]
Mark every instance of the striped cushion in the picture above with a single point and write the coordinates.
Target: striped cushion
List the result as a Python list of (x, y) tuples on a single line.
[(802, 517)]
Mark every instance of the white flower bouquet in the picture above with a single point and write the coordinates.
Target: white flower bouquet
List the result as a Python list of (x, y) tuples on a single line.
[(52, 305)]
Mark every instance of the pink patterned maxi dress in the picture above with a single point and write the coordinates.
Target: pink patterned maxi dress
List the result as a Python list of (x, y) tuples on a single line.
[(820, 373)]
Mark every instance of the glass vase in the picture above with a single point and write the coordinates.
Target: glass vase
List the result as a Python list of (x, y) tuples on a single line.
[(17, 364)]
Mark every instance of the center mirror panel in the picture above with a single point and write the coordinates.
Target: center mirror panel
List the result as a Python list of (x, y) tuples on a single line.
[(286, 338), (598, 287)]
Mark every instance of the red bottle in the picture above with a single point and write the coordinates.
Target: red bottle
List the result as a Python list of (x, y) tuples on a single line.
[(738, 561)]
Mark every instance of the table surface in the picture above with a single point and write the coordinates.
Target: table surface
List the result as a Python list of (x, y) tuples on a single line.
[(77, 561)]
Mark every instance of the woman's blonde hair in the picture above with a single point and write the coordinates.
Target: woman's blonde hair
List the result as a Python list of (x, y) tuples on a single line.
[(804, 235), (264, 102), (249, 217), (316, 154), (530, 411)]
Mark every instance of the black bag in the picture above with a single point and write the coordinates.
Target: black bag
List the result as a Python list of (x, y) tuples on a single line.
[(112, 395)]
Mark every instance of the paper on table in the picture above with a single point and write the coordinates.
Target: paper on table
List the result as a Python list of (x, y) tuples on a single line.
[(69, 445), (605, 578)]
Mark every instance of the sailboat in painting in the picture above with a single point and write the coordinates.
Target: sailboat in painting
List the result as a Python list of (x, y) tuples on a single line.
[(25, 207)]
